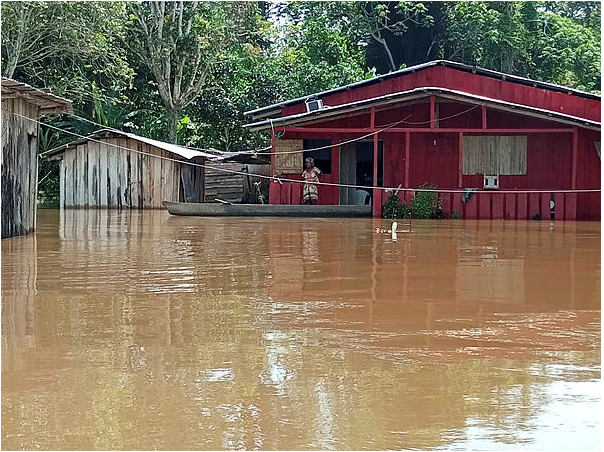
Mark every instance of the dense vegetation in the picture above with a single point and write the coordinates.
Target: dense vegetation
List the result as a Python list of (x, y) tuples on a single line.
[(185, 71)]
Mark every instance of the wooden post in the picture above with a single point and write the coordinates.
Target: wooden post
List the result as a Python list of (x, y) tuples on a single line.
[(377, 199), (274, 198), (460, 163), (375, 196), (273, 140), (432, 112), (573, 183), (407, 148), (484, 117)]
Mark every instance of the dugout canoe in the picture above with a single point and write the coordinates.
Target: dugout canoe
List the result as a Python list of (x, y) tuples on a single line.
[(264, 210)]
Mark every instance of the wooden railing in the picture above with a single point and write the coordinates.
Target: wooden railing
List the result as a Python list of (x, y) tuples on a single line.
[(491, 205), (483, 204)]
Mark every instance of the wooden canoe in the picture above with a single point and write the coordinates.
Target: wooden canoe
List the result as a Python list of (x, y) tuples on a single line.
[(264, 210)]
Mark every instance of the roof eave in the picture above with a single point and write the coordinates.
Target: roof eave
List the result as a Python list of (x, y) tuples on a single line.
[(269, 109), (424, 92), (47, 102)]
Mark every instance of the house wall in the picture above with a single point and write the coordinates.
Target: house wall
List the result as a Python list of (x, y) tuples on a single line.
[(19, 167), (589, 168), (99, 175), (434, 158)]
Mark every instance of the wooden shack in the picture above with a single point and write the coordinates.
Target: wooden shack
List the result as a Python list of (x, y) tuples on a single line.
[(526, 149), (22, 107), (117, 170), (235, 179)]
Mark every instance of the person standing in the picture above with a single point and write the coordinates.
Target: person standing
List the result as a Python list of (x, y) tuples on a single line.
[(310, 175)]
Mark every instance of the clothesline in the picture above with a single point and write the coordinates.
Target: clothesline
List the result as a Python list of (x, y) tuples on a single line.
[(281, 180)]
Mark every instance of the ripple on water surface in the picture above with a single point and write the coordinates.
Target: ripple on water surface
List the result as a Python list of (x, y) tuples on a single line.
[(137, 330)]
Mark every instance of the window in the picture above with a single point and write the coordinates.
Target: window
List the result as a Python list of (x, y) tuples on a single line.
[(288, 159), (494, 155), (322, 157)]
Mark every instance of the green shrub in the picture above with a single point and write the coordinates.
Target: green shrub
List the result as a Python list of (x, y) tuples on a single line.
[(426, 204), (455, 214), (393, 208)]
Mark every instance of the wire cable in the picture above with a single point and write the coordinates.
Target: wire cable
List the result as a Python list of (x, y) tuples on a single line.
[(281, 180)]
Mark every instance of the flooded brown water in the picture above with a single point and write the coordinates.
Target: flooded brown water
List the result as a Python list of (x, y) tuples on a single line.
[(144, 331)]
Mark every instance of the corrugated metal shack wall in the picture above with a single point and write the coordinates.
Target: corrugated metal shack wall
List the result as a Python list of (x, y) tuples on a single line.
[(234, 187), (100, 175), (19, 167)]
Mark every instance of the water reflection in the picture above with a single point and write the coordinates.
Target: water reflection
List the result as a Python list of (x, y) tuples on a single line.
[(137, 330)]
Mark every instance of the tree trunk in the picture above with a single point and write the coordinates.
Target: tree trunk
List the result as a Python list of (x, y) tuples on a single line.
[(173, 116)]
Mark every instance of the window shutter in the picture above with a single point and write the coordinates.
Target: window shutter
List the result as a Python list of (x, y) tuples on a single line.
[(288, 163), (498, 155)]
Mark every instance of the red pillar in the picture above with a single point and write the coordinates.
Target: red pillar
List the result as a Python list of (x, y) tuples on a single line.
[(376, 195), (573, 183), (407, 148), (432, 112), (273, 193), (460, 163), (484, 117)]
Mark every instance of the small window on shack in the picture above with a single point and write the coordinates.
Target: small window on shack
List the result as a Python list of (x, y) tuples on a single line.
[(320, 153), (494, 155)]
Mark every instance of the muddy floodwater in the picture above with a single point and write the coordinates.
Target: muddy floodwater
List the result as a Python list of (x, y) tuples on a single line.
[(138, 330)]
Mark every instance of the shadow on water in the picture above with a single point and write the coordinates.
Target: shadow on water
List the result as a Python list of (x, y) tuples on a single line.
[(137, 330)]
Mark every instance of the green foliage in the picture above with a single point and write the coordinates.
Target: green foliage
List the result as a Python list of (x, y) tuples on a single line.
[(65, 45), (455, 214), (48, 187), (393, 208), (192, 83), (426, 204)]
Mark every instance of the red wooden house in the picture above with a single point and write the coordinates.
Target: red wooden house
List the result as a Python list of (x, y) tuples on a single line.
[(518, 143)]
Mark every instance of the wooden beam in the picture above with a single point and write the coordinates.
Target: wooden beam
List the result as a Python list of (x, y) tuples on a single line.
[(432, 112), (273, 156), (377, 205), (484, 116), (573, 183), (372, 118), (407, 148), (456, 130), (460, 163)]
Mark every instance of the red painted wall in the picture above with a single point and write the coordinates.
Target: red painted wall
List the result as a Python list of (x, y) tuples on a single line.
[(588, 175), (549, 162), (394, 160), (446, 77), (431, 163)]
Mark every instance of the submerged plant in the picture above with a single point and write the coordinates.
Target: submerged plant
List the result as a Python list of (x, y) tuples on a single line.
[(426, 204), (394, 208)]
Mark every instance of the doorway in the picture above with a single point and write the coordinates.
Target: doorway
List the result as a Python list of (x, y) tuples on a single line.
[(356, 168)]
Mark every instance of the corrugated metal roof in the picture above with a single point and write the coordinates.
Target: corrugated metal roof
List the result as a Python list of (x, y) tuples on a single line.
[(418, 93), (182, 151), (43, 98), (452, 64)]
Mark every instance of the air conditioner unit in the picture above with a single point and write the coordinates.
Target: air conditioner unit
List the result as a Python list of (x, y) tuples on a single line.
[(491, 182), (314, 104)]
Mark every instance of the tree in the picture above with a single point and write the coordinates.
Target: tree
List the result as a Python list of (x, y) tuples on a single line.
[(65, 45), (181, 43)]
